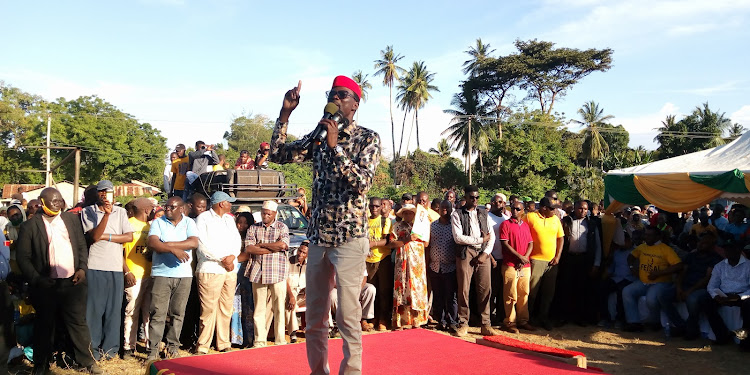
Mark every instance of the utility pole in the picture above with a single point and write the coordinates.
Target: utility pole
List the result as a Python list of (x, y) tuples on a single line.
[(48, 181), (76, 175)]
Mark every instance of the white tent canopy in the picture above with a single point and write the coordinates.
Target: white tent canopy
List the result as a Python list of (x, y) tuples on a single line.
[(734, 155)]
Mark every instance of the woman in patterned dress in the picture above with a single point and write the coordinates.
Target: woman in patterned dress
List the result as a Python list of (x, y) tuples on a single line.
[(410, 305), (242, 315)]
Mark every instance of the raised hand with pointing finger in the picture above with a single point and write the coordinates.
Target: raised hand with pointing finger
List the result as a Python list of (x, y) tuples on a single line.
[(291, 100)]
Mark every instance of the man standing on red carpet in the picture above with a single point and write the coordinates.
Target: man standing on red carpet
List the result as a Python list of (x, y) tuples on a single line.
[(344, 164)]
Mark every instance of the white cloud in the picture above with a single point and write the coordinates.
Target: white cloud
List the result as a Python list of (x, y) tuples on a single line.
[(742, 116), (638, 21)]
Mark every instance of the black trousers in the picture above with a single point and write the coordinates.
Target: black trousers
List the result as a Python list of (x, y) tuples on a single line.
[(711, 310), (6, 326), (380, 274), (576, 296), (68, 302)]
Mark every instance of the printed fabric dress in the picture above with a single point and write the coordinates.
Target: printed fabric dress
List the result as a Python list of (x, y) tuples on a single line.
[(410, 302)]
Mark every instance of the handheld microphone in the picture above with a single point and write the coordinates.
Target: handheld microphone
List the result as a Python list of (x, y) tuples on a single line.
[(331, 111)]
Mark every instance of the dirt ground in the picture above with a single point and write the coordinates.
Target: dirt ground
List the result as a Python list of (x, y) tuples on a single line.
[(613, 351)]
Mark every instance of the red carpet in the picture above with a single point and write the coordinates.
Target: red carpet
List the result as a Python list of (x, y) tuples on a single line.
[(406, 352), (533, 347)]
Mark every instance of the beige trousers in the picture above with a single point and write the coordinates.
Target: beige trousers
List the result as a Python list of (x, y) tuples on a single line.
[(277, 292), (216, 292), (137, 303), (516, 293)]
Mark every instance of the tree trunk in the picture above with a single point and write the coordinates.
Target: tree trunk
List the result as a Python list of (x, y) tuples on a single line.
[(408, 140), (401, 142), (416, 117), (481, 163), (393, 127)]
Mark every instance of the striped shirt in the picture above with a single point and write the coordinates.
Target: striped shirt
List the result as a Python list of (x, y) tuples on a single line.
[(268, 268)]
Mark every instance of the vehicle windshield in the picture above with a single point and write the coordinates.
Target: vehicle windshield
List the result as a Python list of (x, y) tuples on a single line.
[(291, 217)]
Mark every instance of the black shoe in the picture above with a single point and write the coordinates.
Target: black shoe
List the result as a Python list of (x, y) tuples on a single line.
[(546, 324), (677, 332), (293, 338)]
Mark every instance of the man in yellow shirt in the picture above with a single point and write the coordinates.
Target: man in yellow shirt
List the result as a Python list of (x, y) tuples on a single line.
[(424, 200), (379, 264), (656, 263), (138, 277), (179, 172), (547, 233)]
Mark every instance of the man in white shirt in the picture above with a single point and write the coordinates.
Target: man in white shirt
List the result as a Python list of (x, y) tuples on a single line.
[(475, 240), (495, 217), (219, 247), (730, 286)]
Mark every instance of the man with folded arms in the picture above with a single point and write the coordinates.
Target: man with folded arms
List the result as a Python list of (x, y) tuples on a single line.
[(172, 238), (219, 248), (268, 241)]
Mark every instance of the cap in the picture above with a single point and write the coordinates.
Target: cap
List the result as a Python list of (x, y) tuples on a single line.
[(502, 197), (270, 205), (244, 208), (264, 144), (143, 203), (221, 196), (179, 146), (105, 185), (344, 81)]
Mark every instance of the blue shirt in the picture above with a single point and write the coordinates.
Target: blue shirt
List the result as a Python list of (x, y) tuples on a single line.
[(736, 230), (166, 264), (619, 270), (4, 258)]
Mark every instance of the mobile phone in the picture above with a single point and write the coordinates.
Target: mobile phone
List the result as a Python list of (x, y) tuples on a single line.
[(111, 197)]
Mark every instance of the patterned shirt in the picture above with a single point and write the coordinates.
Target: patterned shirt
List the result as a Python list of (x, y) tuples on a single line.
[(268, 268), (442, 248), (341, 179)]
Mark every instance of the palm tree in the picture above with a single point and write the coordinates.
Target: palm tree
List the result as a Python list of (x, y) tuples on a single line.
[(414, 91), (387, 67), (594, 144), (364, 85), (443, 149), (469, 112), (736, 131), (479, 54)]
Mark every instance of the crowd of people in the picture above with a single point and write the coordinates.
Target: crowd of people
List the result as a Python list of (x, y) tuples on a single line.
[(194, 272)]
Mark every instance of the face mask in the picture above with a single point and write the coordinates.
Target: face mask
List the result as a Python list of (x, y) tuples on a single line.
[(48, 211), (17, 221)]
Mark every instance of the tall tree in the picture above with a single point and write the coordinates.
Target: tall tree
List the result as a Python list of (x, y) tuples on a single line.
[(548, 72), (592, 118), (480, 55), (468, 111), (443, 149), (736, 131), (388, 68), (417, 85)]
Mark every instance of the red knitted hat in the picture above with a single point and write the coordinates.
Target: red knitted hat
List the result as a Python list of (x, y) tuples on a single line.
[(344, 81)]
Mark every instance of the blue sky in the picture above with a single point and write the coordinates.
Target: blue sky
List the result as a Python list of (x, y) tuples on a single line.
[(188, 67)]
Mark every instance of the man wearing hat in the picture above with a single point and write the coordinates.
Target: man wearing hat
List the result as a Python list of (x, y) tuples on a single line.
[(261, 159), (268, 241), (343, 165), (107, 229), (218, 250)]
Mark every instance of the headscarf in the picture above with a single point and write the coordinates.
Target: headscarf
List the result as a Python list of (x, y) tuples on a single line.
[(13, 229)]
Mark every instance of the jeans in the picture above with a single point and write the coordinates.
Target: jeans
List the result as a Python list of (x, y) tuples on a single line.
[(104, 311), (444, 300), (656, 295), (169, 296)]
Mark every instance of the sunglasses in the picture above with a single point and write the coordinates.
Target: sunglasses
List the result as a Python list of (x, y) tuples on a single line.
[(472, 197), (516, 209), (172, 207), (341, 94)]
